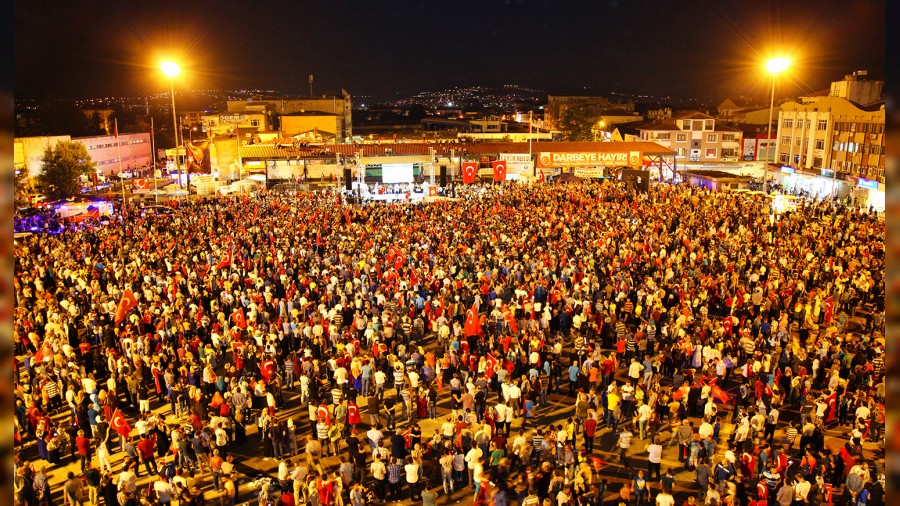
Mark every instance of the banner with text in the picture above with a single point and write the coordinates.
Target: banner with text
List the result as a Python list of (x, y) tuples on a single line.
[(517, 163), (590, 159)]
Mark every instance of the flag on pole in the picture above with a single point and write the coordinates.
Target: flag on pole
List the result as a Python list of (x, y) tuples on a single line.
[(127, 303), (120, 424), (470, 171), (347, 216), (829, 309), (116, 128), (718, 394), (499, 167), (541, 178)]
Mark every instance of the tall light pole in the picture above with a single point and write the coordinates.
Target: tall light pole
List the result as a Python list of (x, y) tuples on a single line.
[(775, 66), (171, 70)]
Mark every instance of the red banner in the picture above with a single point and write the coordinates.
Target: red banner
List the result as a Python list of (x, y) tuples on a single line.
[(197, 153), (469, 172), (499, 167)]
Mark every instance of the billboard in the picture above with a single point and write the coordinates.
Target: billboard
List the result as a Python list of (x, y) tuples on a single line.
[(589, 159), (392, 173), (198, 157), (517, 163)]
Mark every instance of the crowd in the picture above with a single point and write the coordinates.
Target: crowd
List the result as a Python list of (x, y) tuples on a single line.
[(680, 317)]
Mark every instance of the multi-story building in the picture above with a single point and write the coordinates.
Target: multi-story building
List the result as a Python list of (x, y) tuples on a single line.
[(225, 122), (109, 153), (833, 143), (558, 105), (339, 105), (695, 137)]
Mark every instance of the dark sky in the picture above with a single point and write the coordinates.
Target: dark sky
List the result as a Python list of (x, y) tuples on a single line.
[(706, 49)]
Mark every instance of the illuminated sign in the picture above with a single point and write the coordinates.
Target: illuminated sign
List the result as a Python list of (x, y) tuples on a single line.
[(787, 170), (589, 159), (827, 173), (867, 183)]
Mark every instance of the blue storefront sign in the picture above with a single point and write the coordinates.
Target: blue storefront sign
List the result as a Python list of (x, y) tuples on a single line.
[(867, 183)]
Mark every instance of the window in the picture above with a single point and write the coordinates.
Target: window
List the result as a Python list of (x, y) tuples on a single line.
[(787, 123), (686, 124), (712, 138), (727, 137), (785, 140), (784, 157), (807, 124), (797, 141), (817, 162), (823, 124), (820, 143), (681, 137), (254, 122), (709, 125), (680, 151), (712, 153), (664, 137), (697, 126)]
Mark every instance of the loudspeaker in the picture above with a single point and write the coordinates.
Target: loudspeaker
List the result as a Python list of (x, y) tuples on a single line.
[(443, 176), (348, 183)]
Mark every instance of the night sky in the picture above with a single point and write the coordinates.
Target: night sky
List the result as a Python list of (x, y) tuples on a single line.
[(685, 49)]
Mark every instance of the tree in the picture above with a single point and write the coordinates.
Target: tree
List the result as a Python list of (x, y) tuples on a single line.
[(579, 123), (64, 164)]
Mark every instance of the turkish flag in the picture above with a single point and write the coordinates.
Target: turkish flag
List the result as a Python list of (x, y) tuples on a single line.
[(469, 172), (318, 238), (239, 319), (718, 394), (541, 177), (225, 261), (472, 325), (393, 252), (728, 324), (829, 309), (127, 303), (499, 167), (347, 216), (120, 424), (43, 352)]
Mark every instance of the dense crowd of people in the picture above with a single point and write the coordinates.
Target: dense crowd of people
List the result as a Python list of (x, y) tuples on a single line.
[(679, 317)]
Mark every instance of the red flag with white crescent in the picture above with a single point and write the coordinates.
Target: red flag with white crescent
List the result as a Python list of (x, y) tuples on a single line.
[(225, 261), (469, 171), (239, 318), (499, 167), (127, 303), (472, 325), (541, 178), (120, 424)]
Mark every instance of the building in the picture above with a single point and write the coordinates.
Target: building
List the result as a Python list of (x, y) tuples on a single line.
[(728, 109), (695, 137), (558, 105), (314, 126), (716, 180), (109, 153), (858, 88), (340, 105), (224, 122)]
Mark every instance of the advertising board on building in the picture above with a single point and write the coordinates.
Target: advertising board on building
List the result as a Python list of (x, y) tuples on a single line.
[(517, 163), (589, 159)]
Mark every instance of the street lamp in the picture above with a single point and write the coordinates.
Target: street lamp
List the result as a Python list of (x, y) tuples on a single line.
[(171, 70), (774, 66)]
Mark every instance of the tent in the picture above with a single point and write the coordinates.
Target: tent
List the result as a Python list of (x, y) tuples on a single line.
[(567, 177)]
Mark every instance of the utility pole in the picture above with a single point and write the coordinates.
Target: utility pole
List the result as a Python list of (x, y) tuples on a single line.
[(310, 86), (153, 162)]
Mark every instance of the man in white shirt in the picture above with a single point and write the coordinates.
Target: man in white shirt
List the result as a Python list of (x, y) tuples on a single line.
[(664, 498), (379, 472), (654, 450), (472, 458), (643, 412)]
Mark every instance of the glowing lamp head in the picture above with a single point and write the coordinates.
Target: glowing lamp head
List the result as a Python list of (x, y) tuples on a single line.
[(170, 69), (777, 65)]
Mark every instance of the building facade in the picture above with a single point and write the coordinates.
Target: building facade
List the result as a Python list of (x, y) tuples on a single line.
[(339, 105), (696, 138), (558, 105), (835, 134), (109, 153)]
